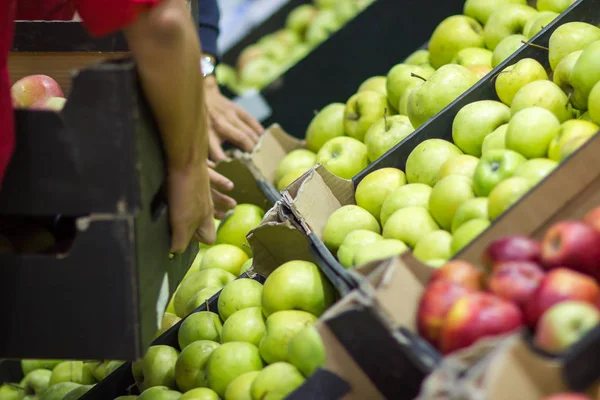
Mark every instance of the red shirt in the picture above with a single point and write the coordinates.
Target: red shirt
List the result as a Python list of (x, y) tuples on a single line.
[(100, 17)]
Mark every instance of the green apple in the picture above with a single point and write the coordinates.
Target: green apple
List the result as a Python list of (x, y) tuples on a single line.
[(276, 381), (245, 325), (374, 84), (556, 6), (290, 178), (78, 392), (453, 34), (239, 388), (288, 37), (297, 285), (481, 10), (476, 208), (200, 298), (158, 367), (372, 191), (324, 4), (259, 72), (463, 164), (229, 361), (467, 232), (189, 368), (203, 325), (418, 57), (353, 243), (564, 71), (585, 116), (55, 392), (72, 371), (480, 71), (10, 391), (326, 125), (585, 75), (200, 394), (403, 104), (401, 76), (544, 94), (505, 21), (436, 263), (274, 49), (212, 277), (425, 161), (447, 195), (536, 169), (306, 351), (362, 110), (473, 56), (29, 365), (127, 397), (36, 381), (300, 18), (409, 224), (594, 104), (572, 145), (345, 220), (226, 75), (506, 48), (570, 37), (108, 367), (475, 121), (343, 156), (569, 130), (325, 23), (434, 245), (226, 257), (505, 194), (345, 10), (250, 53), (281, 327), (236, 225), (295, 159), (246, 266), (411, 195), (514, 77), (494, 167), (538, 22), (159, 393), (437, 92), (530, 132), (380, 250), (495, 140), (239, 294), (385, 134)]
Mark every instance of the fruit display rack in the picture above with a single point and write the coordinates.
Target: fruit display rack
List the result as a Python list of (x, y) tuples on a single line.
[(99, 164)]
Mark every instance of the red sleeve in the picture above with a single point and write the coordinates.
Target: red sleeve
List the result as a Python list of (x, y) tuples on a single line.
[(107, 16), (44, 10)]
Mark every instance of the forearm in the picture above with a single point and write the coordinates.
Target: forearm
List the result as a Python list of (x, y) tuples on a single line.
[(165, 45)]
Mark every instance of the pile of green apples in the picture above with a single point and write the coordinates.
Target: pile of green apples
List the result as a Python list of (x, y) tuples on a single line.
[(57, 379), (261, 343), (306, 27), (450, 192), (346, 138)]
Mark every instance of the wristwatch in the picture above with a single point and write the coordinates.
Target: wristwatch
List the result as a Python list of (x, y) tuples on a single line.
[(208, 63)]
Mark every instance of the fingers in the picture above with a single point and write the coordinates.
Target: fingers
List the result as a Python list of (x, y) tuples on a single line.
[(235, 135), (222, 203), (215, 150), (249, 120), (206, 232), (219, 182)]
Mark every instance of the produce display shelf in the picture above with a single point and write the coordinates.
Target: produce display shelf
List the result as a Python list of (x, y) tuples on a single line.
[(99, 165)]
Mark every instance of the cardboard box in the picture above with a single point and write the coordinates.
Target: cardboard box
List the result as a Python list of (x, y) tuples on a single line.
[(253, 174)]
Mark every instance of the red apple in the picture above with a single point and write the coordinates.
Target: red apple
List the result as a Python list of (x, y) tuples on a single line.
[(28, 90), (475, 316), (512, 248), (567, 396), (437, 299), (593, 218), (51, 103), (515, 281), (564, 324), (460, 272), (559, 285), (572, 244)]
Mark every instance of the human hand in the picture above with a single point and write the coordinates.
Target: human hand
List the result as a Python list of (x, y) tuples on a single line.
[(228, 122), (190, 206), (219, 184)]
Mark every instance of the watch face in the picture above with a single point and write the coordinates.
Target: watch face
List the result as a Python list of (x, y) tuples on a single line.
[(208, 68)]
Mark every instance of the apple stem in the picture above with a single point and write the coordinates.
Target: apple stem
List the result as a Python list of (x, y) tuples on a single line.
[(315, 112), (16, 386), (207, 306), (418, 76), (385, 121), (534, 45)]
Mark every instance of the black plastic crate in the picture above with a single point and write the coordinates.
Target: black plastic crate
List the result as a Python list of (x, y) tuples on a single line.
[(100, 164)]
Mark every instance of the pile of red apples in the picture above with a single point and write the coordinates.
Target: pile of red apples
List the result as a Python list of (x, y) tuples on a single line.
[(38, 92), (551, 287)]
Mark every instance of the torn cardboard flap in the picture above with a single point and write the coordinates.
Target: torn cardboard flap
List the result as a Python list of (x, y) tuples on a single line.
[(239, 169), (316, 195), (272, 147)]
